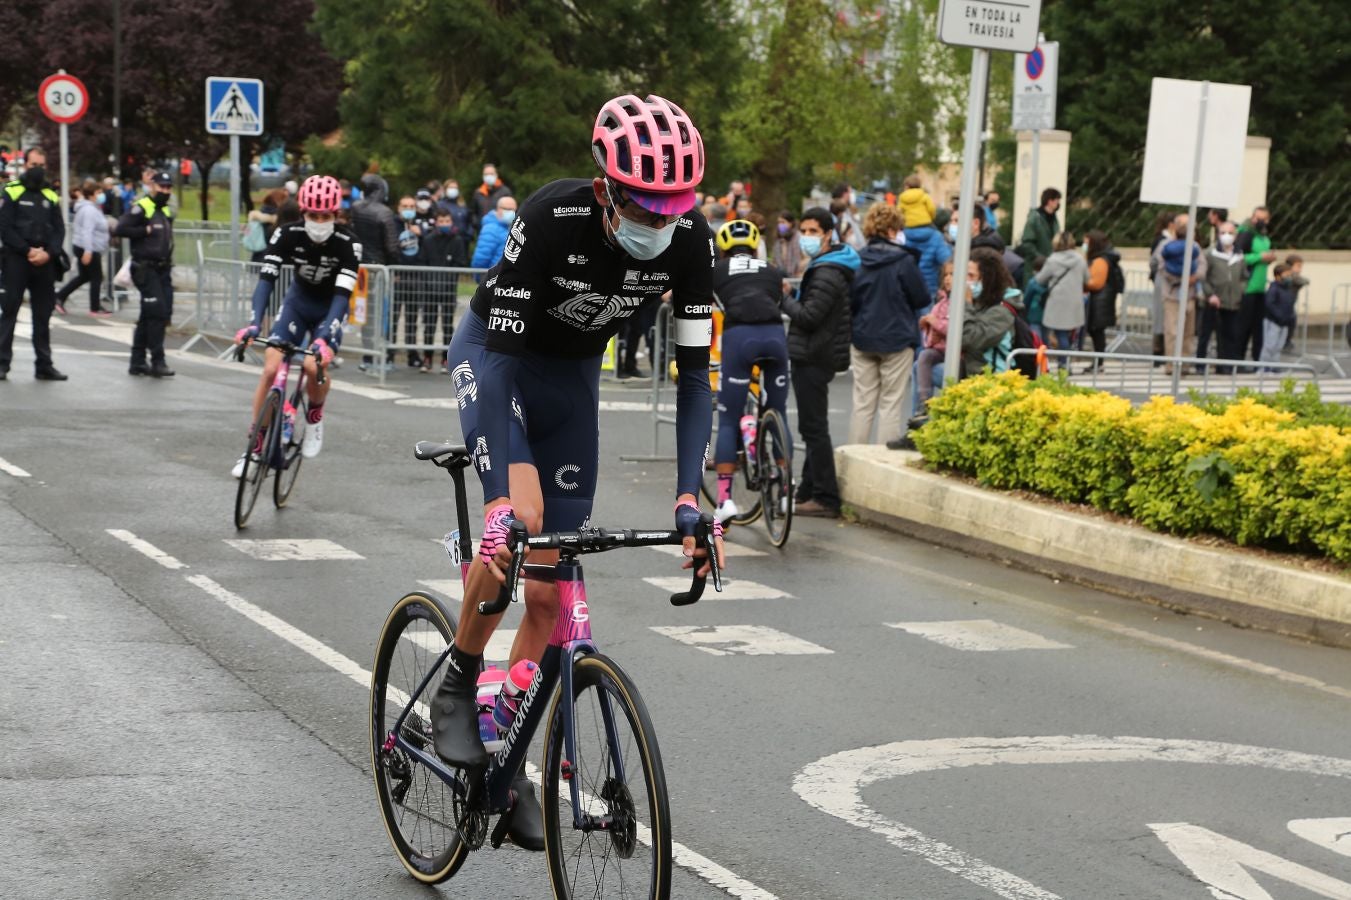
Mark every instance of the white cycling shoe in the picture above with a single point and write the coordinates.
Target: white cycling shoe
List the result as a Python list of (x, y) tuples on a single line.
[(238, 470), (314, 440), (727, 510)]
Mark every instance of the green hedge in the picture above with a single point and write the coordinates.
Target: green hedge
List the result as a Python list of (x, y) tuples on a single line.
[(1272, 472)]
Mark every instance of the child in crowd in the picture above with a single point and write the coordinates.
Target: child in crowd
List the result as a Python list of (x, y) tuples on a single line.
[(1035, 299), (1296, 264), (916, 205), (1280, 314), (933, 327)]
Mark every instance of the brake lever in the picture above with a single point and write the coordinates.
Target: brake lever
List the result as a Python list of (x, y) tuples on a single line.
[(506, 593), (699, 582)]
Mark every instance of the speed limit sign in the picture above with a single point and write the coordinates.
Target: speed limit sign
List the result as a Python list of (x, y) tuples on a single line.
[(63, 98)]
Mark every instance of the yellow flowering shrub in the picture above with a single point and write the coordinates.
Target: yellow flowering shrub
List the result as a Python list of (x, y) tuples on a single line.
[(1246, 470)]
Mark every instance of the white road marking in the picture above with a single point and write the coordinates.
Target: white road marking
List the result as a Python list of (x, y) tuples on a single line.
[(147, 548), (729, 550), (294, 550), (634, 406), (740, 640), (428, 402), (731, 590), (498, 649), (835, 783), (10, 469), (1095, 621), (450, 587), (702, 866), (1217, 656), (979, 635), (1222, 863), (284, 630), (1331, 834), (370, 393)]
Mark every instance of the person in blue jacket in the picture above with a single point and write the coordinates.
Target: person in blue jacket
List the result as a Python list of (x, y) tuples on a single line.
[(933, 252), (492, 236)]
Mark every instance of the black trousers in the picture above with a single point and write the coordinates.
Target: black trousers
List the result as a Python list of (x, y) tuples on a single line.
[(811, 388), (636, 328), (1223, 324), (1251, 313), (156, 285), (91, 274), (39, 282)]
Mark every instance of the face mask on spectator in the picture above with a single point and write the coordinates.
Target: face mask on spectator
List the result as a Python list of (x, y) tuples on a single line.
[(490, 180), (444, 229), (424, 205), (993, 205), (952, 232), (453, 193), (810, 243), (974, 287), (100, 198), (784, 228), (408, 213), (1226, 240), (506, 215), (1261, 226)]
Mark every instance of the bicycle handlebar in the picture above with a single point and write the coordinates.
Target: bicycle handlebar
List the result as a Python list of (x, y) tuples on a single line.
[(285, 347), (599, 540)]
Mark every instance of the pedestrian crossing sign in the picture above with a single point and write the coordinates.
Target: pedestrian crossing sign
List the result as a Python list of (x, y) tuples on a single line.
[(234, 106)]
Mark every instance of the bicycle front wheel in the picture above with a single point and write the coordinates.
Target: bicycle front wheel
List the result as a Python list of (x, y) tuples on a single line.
[(419, 809), (255, 469), (622, 847), (776, 476), (291, 460)]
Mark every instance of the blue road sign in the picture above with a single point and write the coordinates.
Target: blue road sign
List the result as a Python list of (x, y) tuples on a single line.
[(234, 106), (1035, 64)]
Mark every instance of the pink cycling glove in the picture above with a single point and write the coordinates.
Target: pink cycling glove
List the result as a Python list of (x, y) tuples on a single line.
[(246, 334), (320, 346), (496, 531)]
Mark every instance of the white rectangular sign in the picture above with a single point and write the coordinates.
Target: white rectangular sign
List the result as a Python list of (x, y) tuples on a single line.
[(990, 24), (1170, 145), (1034, 88)]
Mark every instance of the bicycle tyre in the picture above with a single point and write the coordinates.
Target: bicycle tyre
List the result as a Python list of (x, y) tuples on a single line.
[(255, 470), (776, 478), (406, 648), (598, 675), (285, 481)]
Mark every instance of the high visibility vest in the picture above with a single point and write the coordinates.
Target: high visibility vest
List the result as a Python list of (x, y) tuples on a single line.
[(149, 208)]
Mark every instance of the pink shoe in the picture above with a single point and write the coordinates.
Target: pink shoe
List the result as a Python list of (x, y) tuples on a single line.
[(60, 310)]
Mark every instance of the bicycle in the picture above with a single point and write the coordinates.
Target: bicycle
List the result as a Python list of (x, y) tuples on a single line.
[(276, 435), (765, 460), (595, 819)]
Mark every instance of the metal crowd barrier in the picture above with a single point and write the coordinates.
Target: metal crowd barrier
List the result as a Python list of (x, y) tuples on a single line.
[(1137, 374), (1134, 313), (423, 303), (1338, 330)]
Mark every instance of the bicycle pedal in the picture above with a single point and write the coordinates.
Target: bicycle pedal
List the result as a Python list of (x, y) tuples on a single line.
[(503, 824)]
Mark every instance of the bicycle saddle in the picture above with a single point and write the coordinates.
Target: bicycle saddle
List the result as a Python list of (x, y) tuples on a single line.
[(436, 450)]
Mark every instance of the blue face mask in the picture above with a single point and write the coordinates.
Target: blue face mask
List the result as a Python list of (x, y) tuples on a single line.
[(952, 233), (408, 213), (444, 229), (507, 216), (974, 287), (810, 244)]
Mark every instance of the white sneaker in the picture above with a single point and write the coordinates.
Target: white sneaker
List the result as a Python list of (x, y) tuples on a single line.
[(238, 470), (314, 440), (727, 510)]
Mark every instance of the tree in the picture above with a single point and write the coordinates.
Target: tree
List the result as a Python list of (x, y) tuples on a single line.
[(438, 88), (1290, 52), (170, 47)]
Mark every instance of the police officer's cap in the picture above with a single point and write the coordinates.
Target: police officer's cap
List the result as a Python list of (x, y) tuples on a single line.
[(163, 179)]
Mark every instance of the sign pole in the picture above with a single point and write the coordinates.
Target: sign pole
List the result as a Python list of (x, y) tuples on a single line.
[(1036, 166), (65, 184), (1184, 289), (234, 196), (980, 63)]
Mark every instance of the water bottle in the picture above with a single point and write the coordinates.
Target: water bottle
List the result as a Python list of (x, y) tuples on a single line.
[(489, 685), (748, 435), (517, 682), (288, 422)]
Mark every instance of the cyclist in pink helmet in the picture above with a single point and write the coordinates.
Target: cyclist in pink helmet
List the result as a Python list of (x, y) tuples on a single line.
[(581, 257), (325, 259)]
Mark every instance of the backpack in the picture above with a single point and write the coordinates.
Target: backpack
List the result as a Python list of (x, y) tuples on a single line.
[(1116, 279), (1024, 338)]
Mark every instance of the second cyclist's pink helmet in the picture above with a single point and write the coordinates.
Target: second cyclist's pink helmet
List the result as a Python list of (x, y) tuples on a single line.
[(651, 148), (320, 193)]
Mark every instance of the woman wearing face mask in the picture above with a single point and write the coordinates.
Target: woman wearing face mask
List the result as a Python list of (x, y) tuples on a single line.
[(89, 239), (787, 254), (993, 301), (1064, 275), (581, 257), (325, 262), (1222, 298)]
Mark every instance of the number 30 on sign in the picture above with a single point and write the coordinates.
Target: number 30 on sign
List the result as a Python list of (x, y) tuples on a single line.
[(63, 98)]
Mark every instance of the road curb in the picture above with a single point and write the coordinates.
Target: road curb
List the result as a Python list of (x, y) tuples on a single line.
[(887, 488)]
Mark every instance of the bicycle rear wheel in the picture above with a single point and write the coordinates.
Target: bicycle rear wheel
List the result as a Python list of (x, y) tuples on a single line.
[(776, 476), (418, 808), (291, 459), (625, 850), (255, 470)]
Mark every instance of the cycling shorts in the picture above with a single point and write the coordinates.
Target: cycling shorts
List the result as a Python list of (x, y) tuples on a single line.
[(301, 313), (555, 411), (742, 346)]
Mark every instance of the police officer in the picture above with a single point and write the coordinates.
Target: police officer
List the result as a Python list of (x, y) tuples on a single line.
[(148, 224), (32, 232)]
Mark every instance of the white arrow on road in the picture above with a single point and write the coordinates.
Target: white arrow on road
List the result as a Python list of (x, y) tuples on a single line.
[(834, 784)]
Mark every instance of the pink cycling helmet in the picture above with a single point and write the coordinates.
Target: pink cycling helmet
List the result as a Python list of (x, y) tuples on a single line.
[(651, 148), (320, 193)]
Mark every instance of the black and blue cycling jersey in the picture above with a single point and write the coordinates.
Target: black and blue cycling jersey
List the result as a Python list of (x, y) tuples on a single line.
[(325, 275), (560, 291)]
